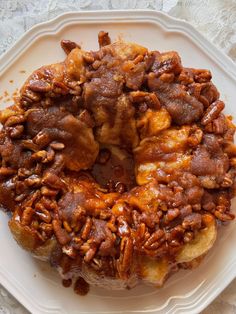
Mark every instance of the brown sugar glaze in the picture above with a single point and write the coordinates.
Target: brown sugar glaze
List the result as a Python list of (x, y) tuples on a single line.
[(114, 156)]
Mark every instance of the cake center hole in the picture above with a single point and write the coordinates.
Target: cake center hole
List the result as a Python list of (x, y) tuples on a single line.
[(114, 169)]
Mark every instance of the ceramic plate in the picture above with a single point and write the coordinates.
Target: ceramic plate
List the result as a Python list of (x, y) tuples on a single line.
[(35, 284)]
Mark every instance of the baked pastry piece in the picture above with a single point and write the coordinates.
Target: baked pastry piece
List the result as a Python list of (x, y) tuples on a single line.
[(117, 165)]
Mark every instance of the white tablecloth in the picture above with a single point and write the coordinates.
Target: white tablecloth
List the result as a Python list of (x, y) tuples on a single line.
[(216, 19)]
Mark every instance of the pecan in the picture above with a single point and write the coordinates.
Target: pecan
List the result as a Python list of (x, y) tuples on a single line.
[(50, 155), (77, 242), (33, 180), (39, 86), (46, 227), (196, 207), (47, 203), (68, 45), (87, 228), (39, 155), (202, 76), (192, 221), (112, 227), (126, 253), (227, 181), (219, 125), (15, 120), (6, 171), (48, 192), (57, 145), (212, 112), (138, 59), (141, 230), (185, 211), (53, 181), (27, 216), (30, 97), (221, 208), (103, 39), (144, 97), (67, 226), (172, 214), (96, 64), (155, 240), (90, 254), (60, 88), (153, 101), (31, 199), (188, 236), (105, 214), (224, 216), (19, 198), (43, 214), (185, 76), (42, 139), (61, 234), (204, 101), (167, 77), (16, 131), (196, 137), (28, 144), (85, 247), (23, 173)]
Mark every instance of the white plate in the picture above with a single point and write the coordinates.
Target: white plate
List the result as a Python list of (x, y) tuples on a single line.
[(33, 283)]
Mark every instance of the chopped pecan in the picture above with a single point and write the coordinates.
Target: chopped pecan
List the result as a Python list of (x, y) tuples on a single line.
[(103, 39), (60, 88), (155, 240), (212, 112), (68, 45), (224, 216), (192, 221), (43, 214), (87, 228), (39, 86), (61, 234), (27, 216), (90, 254), (188, 236), (53, 181), (172, 214)]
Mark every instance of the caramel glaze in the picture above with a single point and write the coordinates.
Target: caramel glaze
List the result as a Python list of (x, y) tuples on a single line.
[(113, 156)]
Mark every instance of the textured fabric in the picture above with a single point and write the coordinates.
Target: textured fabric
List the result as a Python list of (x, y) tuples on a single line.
[(215, 19)]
